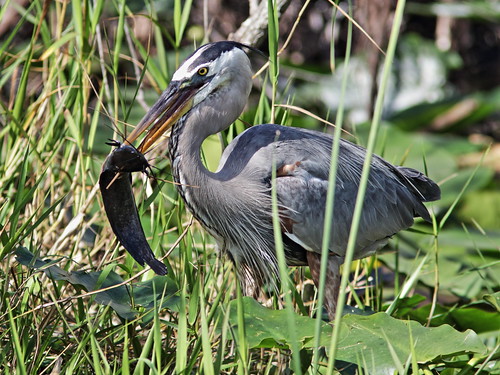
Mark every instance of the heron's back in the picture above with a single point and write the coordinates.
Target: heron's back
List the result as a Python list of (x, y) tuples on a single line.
[(393, 198)]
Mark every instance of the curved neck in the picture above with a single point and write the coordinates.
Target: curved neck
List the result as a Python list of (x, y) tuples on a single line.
[(185, 144), (195, 183)]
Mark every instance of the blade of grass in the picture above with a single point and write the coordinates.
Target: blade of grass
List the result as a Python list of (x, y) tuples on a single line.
[(330, 198), (283, 270), (181, 17), (377, 115), (395, 359), (22, 86), (120, 32), (77, 18), (273, 34), (241, 336), (16, 342), (15, 31), (100, 365), (125, 357), (182, 334), (95, 15), (225, 330), (143, 358), (408, 285), (20, 198), (207, 361), (462, 191), (156, 329), (413, 357)]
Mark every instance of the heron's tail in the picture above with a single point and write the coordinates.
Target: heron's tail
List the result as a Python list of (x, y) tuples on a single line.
[(425, 188)]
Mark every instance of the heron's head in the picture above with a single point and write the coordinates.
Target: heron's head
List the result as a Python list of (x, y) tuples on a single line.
[(217, 75)]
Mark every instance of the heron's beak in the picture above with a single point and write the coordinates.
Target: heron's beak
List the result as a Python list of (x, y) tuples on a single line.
[(170, 107)]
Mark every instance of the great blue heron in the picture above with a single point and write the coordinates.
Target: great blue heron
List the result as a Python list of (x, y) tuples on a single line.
[(207, 93)]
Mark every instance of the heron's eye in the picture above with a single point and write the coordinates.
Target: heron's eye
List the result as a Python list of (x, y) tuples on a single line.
[(203, 71)]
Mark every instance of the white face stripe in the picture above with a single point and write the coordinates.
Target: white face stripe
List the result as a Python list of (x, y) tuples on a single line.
[(189, 68), (184, 71)]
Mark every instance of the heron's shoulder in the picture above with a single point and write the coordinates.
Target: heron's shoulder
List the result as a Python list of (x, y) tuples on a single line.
[(261, 139), (261, 136), (280, 132)]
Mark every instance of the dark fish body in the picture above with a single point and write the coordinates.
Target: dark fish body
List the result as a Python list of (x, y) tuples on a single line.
[(117, 195)]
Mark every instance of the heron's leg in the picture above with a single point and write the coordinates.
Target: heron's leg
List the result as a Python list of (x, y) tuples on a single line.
[(332, 282)]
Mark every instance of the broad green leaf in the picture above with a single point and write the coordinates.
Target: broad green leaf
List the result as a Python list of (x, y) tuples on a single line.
[(118, 298), (473, 317), (268, 328), (493, 300), (369, 338), (365, 340), (477, 319)]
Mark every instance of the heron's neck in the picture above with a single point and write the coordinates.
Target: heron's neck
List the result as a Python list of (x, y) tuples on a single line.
[(189, 133), (184, 153), (186, 140), (195, 183)]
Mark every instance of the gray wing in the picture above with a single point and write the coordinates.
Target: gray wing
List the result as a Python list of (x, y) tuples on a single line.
[(393, 198)]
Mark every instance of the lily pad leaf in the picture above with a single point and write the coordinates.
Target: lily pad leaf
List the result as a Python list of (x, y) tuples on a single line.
[(268, 328), (119, 297), (366, 340), (372, 338)]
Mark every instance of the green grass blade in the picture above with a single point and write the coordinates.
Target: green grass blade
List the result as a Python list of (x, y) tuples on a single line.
[(120, 32), (283, 270), (273, 34), (208, 365), (78, 24), (181, 17), (16, 342), (241, 341), (182, 334), (22, 86), (330, 198), (398, 16), (462, 191)]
